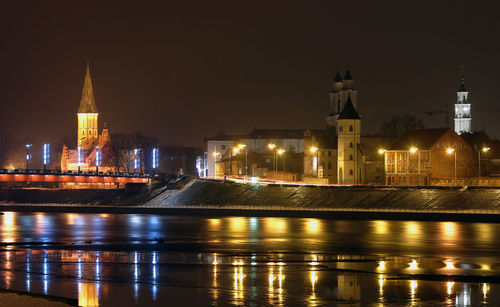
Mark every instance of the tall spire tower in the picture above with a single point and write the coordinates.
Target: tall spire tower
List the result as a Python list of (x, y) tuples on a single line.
[(463, 116), (87, 114)]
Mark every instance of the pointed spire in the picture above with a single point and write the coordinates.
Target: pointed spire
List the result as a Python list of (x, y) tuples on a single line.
[(349, 112), (461, 87), (87, 103), (338, 78), (348, 75)]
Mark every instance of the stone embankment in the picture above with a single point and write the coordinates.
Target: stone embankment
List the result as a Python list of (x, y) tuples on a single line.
[(211, 193)]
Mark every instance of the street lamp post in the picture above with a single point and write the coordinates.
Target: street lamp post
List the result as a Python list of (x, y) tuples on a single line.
[(280, 152), (46, 156), (215, 154), (382, 152), (454, 152), (137, 159), (412, 151), (28, 156), (98, 159), (80, 157), (484, 149), (314, 150), (273, 148), (236, 150)]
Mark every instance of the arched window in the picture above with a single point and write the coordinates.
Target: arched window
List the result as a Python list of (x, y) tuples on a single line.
[(350, 128), (350, 172), (350, 157), (350, 145)]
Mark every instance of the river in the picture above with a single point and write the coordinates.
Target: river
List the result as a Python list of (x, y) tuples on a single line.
[(147, 260)]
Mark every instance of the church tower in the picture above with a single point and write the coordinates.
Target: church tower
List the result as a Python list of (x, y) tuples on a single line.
[(87, 115), (342, 89), (349, 163), (462, 109)]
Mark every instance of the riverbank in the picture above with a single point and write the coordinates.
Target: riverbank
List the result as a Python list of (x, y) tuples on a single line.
[(218, 198)]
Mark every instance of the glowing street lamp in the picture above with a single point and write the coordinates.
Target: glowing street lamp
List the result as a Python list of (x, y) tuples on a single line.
[(46, 156), (273, 148), (382, 151), (156, 158), (315, 151), (413, 149), (485, 150), (450, 151), (137, 159), (98, 159), (80, 157), (28, 156)]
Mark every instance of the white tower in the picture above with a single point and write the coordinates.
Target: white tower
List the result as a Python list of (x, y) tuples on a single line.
[(462, 109), (349, 163)]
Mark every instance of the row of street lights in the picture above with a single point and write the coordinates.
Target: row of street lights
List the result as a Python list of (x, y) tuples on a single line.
[(98, 157)]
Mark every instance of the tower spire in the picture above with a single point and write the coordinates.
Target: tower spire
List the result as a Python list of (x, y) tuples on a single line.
[(87, 103), (462, 87)]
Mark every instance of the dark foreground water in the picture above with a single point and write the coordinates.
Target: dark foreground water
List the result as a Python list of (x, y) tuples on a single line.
[(121, 260)]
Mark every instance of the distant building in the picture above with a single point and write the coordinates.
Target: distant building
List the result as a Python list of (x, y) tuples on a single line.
[(179, 160), (91, 146), (420, 156), (463, 118), (310, 155)]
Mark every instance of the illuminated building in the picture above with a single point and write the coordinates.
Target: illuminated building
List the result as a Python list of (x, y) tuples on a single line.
[(89, 143), (298, 163), (419, 157), (463, 118)]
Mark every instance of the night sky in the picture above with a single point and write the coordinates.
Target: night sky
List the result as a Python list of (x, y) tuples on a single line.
[(183, 70)]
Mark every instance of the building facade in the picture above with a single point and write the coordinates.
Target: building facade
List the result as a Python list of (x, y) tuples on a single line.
[(350, 156), (422, 155)]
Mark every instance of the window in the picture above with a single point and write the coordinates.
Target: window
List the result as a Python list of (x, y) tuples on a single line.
[(350, 128), (223, 147), (350, 157), (83, 131), (329, 165), (329, 153), (350, 145), (341, 128), (350, 172)]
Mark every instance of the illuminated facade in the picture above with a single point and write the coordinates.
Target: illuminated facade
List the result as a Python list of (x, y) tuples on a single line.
[(93, 150), (350, 156), (463, 118), (420, 157)]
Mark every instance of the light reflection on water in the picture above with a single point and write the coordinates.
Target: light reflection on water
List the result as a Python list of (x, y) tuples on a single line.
[(247, 261)]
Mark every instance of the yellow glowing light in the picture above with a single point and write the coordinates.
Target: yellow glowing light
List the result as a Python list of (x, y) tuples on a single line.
[(413, 228), (380, 227), (413, 265), (485, 149), (314, 261), (241, 146), (313, 149), (88, 295), (486, 288), (281, 151), (381, 266), (449, 265), (450, 150), (485, 267), (313, 226), (214, 222), (381, 151), (449, 287), (313, 277), (381, 284), (238, 263), (236, 150), (413, 286), (271, 146), (413, 149), (450, 230), (238, 224)]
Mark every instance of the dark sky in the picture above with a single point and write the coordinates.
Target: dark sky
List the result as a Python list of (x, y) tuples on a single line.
[(183, 70)]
